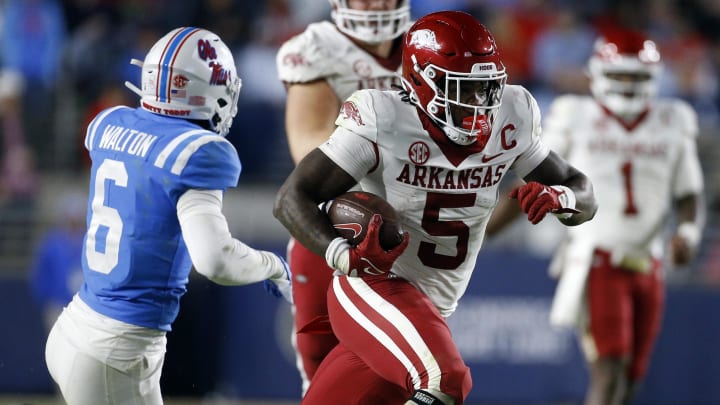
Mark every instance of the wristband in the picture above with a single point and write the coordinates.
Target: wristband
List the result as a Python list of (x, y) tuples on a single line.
[(337, 254), (567, 200), (690, 231)]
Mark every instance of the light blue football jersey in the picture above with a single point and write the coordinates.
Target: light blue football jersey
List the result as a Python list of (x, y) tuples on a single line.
[(135, 262)]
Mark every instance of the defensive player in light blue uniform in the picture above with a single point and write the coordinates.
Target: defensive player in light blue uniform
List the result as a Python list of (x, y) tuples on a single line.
[(158, 176)]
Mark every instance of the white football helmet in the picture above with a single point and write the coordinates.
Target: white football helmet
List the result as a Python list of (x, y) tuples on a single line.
[(371, 26), (624, 74), (190, 73)]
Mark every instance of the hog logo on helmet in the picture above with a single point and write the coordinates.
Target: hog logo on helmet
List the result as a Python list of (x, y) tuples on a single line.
[(197, 61), (458, 83), (424, 39), (349, 111)]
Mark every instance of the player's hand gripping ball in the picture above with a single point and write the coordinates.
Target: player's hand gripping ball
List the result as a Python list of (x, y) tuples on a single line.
[(350, 214)]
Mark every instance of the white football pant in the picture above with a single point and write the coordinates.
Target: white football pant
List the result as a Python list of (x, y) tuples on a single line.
[(97, 360)]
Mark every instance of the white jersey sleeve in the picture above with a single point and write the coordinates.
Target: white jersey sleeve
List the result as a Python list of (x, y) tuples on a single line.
[(322, 52), (352, 146), (353, 153), (688, 172), (536, 151), (307, 56), (557, 129)]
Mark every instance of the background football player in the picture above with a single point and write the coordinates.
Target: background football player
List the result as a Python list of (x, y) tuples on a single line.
[(321, 67), (640, 152), (158, 176), (436, 151)]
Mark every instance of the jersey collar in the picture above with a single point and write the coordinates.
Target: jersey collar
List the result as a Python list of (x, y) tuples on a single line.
[(455, 153), (628, 125)]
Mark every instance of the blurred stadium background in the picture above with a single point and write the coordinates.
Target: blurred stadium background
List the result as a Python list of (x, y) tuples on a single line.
[(62, 61)]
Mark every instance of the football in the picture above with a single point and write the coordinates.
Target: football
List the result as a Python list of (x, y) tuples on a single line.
[(350, 214)]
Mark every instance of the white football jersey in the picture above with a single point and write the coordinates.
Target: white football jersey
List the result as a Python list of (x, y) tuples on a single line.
[(323, 52), (637, 170), (444, 193)]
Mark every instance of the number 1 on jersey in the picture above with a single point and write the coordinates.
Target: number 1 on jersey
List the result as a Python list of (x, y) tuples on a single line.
[(630, 207)]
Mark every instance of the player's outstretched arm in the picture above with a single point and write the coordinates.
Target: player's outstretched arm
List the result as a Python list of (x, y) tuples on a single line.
[(557, 187), (215, 253)]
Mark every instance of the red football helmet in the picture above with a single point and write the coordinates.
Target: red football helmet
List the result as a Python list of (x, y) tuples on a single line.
[(453, 72), (624, 74)]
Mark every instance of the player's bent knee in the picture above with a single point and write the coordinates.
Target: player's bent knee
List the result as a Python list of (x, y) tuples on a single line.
[(455, 387), (457, 382)]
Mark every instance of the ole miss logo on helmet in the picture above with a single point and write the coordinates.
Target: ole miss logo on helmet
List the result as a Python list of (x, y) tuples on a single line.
[(219, 75), (349, 111)]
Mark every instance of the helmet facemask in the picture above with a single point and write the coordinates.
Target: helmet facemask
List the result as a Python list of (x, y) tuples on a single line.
[(371, 26), (226, 108)]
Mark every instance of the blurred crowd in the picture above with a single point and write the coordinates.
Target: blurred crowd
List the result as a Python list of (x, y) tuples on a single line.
[(63, 61)]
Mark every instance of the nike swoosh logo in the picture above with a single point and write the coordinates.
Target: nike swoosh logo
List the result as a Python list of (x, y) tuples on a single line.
[(487, 158), (371, 269), (354, 227)]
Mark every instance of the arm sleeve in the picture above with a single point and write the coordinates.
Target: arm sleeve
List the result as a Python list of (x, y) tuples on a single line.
[(214, 252)]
